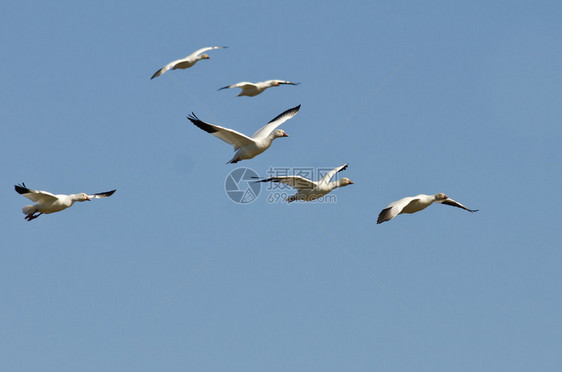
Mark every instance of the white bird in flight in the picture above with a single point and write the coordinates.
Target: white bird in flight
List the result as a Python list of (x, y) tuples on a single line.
[(415, 204), (246, 147), (49, 203), (186, 62), (308, 190), (253, 89)]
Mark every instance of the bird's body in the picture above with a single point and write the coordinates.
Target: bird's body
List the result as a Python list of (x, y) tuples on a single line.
[(253, 89), (254, 148), (416, 203), (308, 190), (413, 204), (248, 147), (47, 202), (186, 62)]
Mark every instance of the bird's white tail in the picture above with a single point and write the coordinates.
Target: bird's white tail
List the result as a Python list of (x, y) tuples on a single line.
[(28, 209)]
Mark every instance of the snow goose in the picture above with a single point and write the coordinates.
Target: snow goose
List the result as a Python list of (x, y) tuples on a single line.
[(50, 203), (248, 147), (308, 190), (253, 89), (415, 204), (186, 62)]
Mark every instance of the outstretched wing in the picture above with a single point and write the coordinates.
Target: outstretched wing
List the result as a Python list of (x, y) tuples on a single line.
[(328, 176), (275, 122), (241, 84), (99, 195), (199, 51), (387, 214), (285, 82), (393, 209), (449, 201), (165, 68), (34, 195), (229, 136), (298, 182)]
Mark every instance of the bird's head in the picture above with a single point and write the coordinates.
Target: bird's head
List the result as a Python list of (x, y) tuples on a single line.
[(205, 56), (441, 196), (279, 133), (346, 181), (82, 197)]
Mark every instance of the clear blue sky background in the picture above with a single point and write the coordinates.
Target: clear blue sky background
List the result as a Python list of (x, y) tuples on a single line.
[(474, 112)]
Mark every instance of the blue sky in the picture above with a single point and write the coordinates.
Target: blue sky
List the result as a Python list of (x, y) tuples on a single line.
[(170, 274)]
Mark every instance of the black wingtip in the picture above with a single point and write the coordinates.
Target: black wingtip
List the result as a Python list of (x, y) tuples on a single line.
[(192, 117), (155, 74), (290, 111), (263, 180), (106, 194), (228, 86), (21, 189), (383, 216), (295, 109), (201, 124), (259, 179)]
